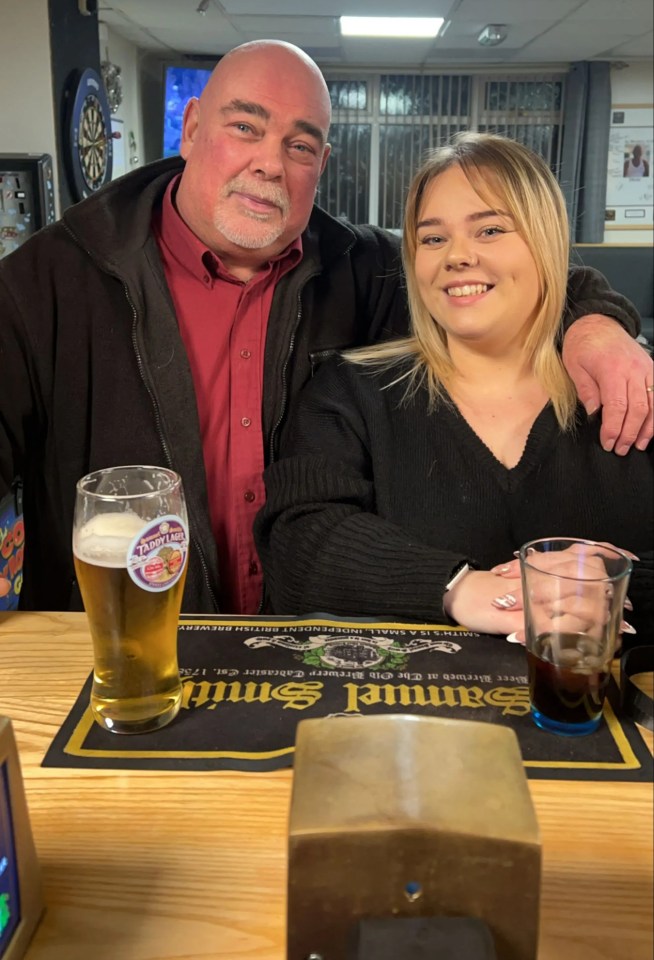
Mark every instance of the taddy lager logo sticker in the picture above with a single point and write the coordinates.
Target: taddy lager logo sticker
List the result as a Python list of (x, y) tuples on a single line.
[(156, 555)]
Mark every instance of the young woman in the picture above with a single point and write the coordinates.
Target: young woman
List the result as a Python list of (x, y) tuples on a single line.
[(417, 467)]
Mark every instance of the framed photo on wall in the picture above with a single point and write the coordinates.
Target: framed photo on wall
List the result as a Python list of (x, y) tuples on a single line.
[(630, 182)]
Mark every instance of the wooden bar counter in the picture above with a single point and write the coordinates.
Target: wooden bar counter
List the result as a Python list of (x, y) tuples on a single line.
[(159, 865)]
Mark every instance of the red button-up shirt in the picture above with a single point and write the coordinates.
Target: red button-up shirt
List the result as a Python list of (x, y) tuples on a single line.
[(223, 323)]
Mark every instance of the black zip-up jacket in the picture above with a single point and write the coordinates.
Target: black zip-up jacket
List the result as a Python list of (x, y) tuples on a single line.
[(93, 371)]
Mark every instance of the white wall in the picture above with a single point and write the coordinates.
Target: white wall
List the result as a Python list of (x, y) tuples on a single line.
[(128, 118), (632, 86), (26, 111), (633, 83)]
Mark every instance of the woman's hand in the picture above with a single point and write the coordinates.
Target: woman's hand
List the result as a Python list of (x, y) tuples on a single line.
[(485, 604), (549, 561), (574, 612)]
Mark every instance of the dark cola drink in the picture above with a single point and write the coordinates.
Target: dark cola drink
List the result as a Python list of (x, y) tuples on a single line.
[(568, 679)]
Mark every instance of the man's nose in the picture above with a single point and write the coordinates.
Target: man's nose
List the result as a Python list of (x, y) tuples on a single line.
[(268, 159)]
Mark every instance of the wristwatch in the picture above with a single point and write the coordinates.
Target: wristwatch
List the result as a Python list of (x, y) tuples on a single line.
[(459, 574)]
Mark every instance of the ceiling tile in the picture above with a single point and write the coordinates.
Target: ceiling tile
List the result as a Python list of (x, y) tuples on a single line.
[(409, 53), (562, 43), (624, 10), (336, 8), (513, 11), (636, 47)]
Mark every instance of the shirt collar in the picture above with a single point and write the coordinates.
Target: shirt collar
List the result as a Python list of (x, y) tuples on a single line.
[(196, 258)]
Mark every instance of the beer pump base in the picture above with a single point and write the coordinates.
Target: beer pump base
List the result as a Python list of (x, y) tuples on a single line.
[(432, 938), (21, 890), (403, 817)]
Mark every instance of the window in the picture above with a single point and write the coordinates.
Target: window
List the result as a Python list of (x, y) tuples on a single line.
[(383, 124)]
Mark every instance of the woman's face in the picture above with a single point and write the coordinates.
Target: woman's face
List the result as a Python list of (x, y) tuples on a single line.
[(475, 273)]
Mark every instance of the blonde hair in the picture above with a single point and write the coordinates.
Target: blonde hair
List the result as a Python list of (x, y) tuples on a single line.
[(528, 191)]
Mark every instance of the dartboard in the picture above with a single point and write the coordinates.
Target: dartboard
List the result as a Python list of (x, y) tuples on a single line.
[(90, 144)]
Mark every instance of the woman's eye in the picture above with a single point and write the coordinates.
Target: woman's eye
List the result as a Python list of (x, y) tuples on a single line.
[(492, 231), (430, 241)]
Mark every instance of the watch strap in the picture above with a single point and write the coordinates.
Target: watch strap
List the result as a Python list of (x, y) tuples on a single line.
[(459, 574)]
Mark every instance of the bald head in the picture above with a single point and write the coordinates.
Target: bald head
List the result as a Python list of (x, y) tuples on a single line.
[(255, 144), (285, 56)]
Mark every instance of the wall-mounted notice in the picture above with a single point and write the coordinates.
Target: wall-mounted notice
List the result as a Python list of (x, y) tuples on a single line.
[(630, 184)]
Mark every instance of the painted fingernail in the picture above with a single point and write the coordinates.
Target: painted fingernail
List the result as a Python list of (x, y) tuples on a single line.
[(628, 605), (505, 602), (504, 569), (591, 409), (513, 638), (627, 628), (623, 449)]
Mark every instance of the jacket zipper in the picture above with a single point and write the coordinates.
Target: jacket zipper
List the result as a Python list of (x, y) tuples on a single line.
[(162, 438), (282, 412), (289, 354)]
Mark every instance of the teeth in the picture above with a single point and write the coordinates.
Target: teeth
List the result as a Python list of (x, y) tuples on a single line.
[(467, 290)]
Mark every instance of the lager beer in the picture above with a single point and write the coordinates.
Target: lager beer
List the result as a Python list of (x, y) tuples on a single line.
[(131, 574)]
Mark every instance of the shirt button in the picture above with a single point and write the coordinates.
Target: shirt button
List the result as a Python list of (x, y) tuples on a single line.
[(246, 354), (249, 496), (245, 422), (253, 569)]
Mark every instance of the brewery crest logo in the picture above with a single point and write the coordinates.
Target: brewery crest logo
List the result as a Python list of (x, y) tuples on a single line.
[(352, 652)]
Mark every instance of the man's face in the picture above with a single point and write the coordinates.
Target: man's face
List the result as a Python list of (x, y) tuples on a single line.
[(638, 152), (255, 146)]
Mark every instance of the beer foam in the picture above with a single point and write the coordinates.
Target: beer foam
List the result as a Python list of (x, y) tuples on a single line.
[(104, 540)]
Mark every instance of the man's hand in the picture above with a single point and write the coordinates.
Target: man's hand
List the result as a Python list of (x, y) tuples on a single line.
[(611, 370)]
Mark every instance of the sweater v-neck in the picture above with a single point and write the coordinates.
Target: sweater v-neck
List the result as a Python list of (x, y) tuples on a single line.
[(539, 440)]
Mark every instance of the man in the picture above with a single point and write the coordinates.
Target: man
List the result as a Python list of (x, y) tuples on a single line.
[(636, 165), (173, 317)]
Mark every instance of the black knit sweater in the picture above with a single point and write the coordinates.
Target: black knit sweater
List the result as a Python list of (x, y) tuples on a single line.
[(377, 501)]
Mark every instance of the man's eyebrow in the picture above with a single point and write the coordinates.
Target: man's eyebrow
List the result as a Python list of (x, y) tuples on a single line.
[(257, 110), (311, 129), (472, 217), (246, 106)]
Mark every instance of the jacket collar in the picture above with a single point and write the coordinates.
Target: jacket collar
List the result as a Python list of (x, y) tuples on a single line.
[(114, 224)]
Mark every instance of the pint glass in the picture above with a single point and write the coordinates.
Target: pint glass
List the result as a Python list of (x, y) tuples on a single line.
[(130, 546), (574, 593)]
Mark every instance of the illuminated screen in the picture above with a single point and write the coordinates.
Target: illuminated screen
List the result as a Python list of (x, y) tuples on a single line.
[(9, 898), (182, 83)]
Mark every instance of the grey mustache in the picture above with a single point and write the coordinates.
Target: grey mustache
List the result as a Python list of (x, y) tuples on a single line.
[(273, 195)]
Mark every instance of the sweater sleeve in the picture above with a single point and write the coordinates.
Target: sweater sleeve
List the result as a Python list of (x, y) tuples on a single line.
[(322, 544), (589, 292)]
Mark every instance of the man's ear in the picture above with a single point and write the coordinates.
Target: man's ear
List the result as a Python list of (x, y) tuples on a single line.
[(190, 125), (325, 156)]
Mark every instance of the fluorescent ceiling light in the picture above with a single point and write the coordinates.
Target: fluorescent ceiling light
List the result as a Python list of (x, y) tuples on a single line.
[(390, 26)]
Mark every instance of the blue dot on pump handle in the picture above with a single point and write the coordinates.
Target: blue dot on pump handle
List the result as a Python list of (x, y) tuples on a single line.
[(413, 889)]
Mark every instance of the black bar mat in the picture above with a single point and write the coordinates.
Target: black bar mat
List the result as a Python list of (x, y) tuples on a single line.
[(249, 681)]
